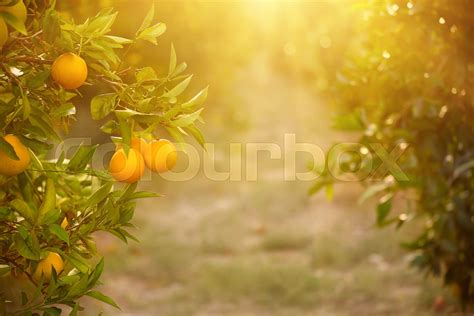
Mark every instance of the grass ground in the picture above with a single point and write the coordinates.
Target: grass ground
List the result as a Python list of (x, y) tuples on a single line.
[(264, 247)]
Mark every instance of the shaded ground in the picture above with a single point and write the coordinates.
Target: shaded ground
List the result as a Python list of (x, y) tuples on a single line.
[(264, 247)]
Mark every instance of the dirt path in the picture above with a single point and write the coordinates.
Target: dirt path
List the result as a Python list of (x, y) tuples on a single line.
[(261, 248)]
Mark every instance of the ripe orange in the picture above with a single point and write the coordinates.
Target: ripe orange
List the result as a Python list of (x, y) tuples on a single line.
[(160, 155), (11, 167), (65, 223), (139, 144), (45, 267), (69, 70), (127, 169)]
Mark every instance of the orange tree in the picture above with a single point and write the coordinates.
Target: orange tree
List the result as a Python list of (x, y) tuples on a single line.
[(408, 80), (49, 208)]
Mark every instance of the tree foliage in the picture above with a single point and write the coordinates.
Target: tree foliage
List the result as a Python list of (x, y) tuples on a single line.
[(56, 205), (408, 81)]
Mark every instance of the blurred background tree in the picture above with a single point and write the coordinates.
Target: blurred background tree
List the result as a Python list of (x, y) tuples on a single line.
[(407, 83)]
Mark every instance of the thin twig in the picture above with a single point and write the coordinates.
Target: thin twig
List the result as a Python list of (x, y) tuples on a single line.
[(27, 59)]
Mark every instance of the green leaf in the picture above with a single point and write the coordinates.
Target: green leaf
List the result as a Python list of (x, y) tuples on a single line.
[(145, 74), (27, 190), (35, 162), (5, 212), (196, 134), (186, 119), (117, 233), (179, 88), (26, 107), (28, 248), (38, 79), (102, 175), (330, 191), (137, 116), (110, 127), (74, 310), (147, 20), (383, 208), (102, 105), (95, 275), (70, 279), (172, 66), (127, 191), (175, 133), (51, 27), (52, 311), (119, 40), (23, 209), (349, 122), (44, 124), (128, 113), (65, 109), (34, 144), (82, 158), (371, 191), (8, 149), (13, 21), (142, 195), (100, 194), (103, 298), (100, 25), (125, 128), (151, 33), (60, 232), (77, 289), (127, 234), (179, 69), (48, 212), (77, 261), (197, 100)]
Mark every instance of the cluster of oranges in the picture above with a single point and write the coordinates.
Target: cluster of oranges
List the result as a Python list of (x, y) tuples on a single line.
[(158, 155), (70, 71)]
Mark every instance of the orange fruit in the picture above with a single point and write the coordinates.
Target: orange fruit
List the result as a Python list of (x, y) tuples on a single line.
[(18, 10), (45, 267), (160, 155), (9, 166), (139, 144), (69, 70), (127, 169), (65, 223)]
